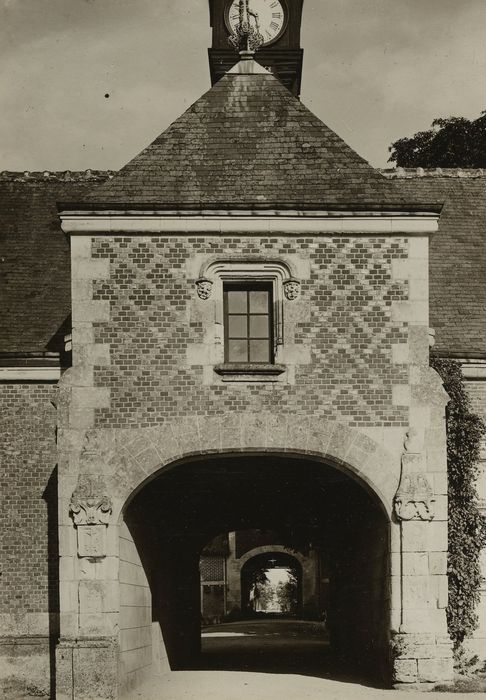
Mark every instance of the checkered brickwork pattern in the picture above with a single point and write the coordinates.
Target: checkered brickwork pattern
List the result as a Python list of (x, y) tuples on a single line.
[(349, 328)]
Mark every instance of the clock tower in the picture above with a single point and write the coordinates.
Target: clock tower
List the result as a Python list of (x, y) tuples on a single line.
[(277, 21)]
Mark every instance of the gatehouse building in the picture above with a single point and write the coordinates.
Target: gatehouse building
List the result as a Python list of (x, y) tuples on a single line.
[(230, 333)]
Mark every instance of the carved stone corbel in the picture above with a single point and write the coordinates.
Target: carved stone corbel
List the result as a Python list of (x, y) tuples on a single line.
[(95, 510), (204, 288), (90, 510), (414, 499), (291, 288)]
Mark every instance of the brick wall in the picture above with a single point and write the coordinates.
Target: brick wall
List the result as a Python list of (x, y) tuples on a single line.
[(477, 393), (348, 326), (28, 449), (29, 598)]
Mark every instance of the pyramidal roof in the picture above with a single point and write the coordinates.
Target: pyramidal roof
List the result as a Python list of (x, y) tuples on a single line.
[(247, 142)]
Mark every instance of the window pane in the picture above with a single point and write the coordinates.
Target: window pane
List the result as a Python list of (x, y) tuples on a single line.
[(237, 326), (259, 351), (259, 302), (259, 327), (237, 302), (237, 351)]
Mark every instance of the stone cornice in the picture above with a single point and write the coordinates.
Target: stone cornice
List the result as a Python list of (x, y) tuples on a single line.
[(29, 367), (474, 369), (250, 222), (30, 374)]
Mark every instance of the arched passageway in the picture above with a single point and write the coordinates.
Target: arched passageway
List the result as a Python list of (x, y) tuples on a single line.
[(175, 515), (256, 581)]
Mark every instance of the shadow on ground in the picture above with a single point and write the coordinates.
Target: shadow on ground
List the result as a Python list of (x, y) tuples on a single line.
[(274, 646)]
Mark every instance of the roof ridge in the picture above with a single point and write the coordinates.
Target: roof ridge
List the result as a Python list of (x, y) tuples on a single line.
[(57, 175), (394, 173)]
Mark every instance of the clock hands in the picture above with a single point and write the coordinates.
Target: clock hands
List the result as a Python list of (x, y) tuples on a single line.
[(246, 37), (255, 16)]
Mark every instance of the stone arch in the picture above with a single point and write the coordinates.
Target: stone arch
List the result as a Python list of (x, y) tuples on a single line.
[(269, 549), (140, 455), (258, 553)]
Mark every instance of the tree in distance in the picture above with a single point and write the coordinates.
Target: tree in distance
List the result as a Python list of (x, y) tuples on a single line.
[(454, 142)]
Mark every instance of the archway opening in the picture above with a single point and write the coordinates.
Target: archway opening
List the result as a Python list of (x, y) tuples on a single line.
[(308, 506), (271, 585)]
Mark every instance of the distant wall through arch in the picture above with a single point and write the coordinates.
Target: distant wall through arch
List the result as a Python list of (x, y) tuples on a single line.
[(308, 565)]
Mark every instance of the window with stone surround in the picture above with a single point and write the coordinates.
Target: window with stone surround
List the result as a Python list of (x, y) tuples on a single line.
[(245, 298)]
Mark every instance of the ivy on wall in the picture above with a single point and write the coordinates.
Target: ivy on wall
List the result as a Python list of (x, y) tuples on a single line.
[(467, 528)]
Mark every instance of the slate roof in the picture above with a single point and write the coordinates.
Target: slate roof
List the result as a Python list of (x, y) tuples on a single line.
[(35, 285), (457, 257), (248, 142), (35, 272)]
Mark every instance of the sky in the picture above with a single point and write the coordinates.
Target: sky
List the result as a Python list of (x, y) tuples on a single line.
[(374, 71)]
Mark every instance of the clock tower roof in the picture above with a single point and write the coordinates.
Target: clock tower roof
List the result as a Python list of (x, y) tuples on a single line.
[(246, 143)]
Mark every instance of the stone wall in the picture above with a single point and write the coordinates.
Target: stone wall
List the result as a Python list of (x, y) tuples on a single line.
[(135, 614), (29, 598)]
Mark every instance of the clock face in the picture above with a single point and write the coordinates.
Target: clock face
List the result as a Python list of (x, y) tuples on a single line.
[(271, 18)]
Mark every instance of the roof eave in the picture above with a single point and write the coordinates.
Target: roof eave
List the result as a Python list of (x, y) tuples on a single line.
[(196, 208)]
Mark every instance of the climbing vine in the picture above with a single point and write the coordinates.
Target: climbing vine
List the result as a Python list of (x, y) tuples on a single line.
[(467, 528)]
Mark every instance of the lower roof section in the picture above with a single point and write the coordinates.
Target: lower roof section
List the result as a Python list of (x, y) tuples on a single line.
[(35, 277)]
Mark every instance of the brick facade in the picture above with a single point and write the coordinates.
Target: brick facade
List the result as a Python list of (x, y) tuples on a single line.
[(29, 598), (477, 393), (28, 462), (155, 316)]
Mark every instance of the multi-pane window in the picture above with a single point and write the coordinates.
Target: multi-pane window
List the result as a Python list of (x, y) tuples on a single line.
[(248, 323), (211, 568)]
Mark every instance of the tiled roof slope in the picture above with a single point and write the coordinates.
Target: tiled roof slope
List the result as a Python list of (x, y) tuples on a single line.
[(35, 286), (247, 142), (457, 256), (35, 273)]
